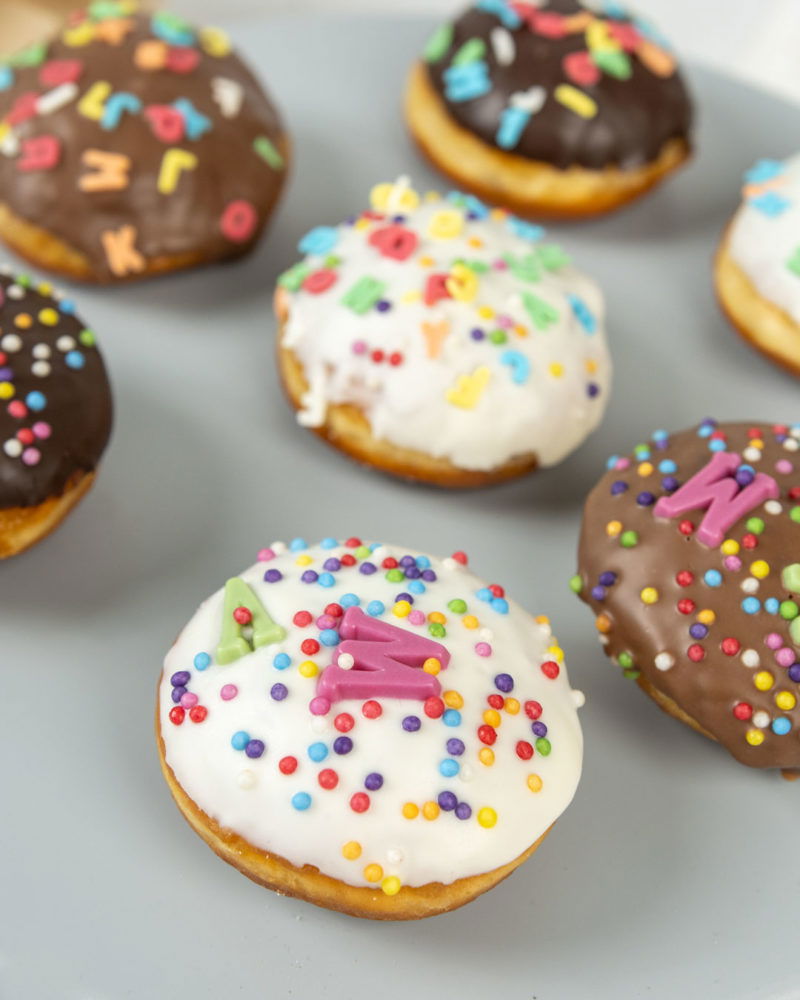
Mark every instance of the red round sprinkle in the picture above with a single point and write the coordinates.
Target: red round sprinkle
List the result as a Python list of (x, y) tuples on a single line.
[(496, 590), (685, 527), (25, 435), (302, 618), (780, 429), (434, 707), (371, 709), (754, 432), (344, 722), (794, 492), (496, 701), (550, 669), (309, 646), (487, 734), (750, 541), (460, 557), (696, 652), (352, 543), (684, 578), (243, 615), (377, 356), (348, 560), (328, 778), (177, 715), (524, 750), (730, 646), (287, 765), (334, 610), (389, 563), (533, 710), (686, 605), (396, 359), (719, 435), (359, 802), (198, 713), (743, 711)]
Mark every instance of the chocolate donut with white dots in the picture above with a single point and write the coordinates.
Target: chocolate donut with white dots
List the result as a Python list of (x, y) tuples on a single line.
[(55, 411), (690, 559)]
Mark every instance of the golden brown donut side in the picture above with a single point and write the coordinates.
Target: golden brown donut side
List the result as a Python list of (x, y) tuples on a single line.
[(525, 187), (22, 527)]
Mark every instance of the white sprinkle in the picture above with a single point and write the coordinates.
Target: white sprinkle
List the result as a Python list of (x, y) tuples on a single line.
[(752, 454), (13, 448), (466, 773), (665, 661), (319, 724), (9, 146), (65, 343), (41, 351), (395, 856), (603, 639), (773, 507), (54, 99), (278, 548), (790, 444), (15, 292), (449, 564), (503, 46), (486, 633), (11, 342), (530, 100), (578, 698), (381, 552), (345, 661), (228, 94), (750, 585), (750, 658), (41, 369), (761, 720), (246, 779)]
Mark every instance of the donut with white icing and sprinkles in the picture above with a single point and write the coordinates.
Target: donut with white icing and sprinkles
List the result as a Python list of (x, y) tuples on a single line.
[(441, 340), (757, 268), (690, 559), (133, 144), (550, 107), (55, 410), (367, 728)]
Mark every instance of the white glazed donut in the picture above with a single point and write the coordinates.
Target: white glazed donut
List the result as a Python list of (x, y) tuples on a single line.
[(452, 328), (411, 780)]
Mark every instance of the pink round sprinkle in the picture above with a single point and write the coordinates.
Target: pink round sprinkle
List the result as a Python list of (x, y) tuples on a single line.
[(483, 649), (359, 347), (416, 617), (319, 706), (228, 692), (264, 555), (784, 466), (622, 463), (189, 699), (785, 657), (774, 641), (17, 408), (500, 264), (31, 456), (733, 562), (42, 430), (326, 621), (505, 321)]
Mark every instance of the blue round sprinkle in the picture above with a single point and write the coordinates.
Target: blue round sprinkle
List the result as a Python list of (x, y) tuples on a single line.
[(772, 605), (449, 768), (375, 608), (317, 752), (329, 543), (417, 587), (349, 600), (667, 466), (74, 360), (713, 578), (202, 661), (240, 740), (423, 562), (717, 445), (452, 717), (66, 306), (326, 579), (484, 594), (781, 726), (281, 661), (36, 400), (751, 605), (500, 605), (297, 545), (301, 801), (329, 637)]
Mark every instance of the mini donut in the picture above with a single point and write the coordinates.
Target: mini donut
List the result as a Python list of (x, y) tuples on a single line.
[(690, 559), (757, 268), (134, 144), (55, 411), (442, 341), (550, 108), (369, 729)]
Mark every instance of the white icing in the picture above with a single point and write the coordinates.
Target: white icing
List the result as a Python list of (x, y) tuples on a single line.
[(762, 244), (252, 796), (550, 412)]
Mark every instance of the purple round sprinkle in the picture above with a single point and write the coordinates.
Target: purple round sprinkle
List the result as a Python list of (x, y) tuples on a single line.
[(398, 218), (342, 744), (309, 576), (477, 333), (332, 565), (599, 593), (428, 575), (447, 801), (383, 306), (645, 499), (538, 729), (278, 691), (455, 747), (504, 683), (794, 672), (607, 579), (272, 576), (254, 749), (407, 561), (698, 631), (180, 678), (411, 723), (404, 597), (744, 476), (592, 390), (368, 568), (619, 486), (373, 781), (670, 483), (412, 573), (463, 811), (178, 693)]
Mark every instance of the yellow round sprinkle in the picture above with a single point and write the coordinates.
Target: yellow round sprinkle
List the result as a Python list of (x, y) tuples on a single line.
[(401, 609), (486, 756), (486, 312), (431, 196), (491, 717), (362, 224), (412, 296), (556, 652), (760, 569), (44, 288), (613, 528), (446, 224), (645, 469), (475, 241), (304, 560), (308, 669), (649, 595), (521, 331), (431, 665), (351, 850), (438, 617), (754, 737), (487, 817), (453, 699), (602, 623), (785, 700), (373, 873), (430, 810), (556, 369), (730, 547), (426, 261), (542, 620), (498, 214), (470, 621), (706, 616), (756, 443), (511, 706), (391, 885), (534, 783), (410, 810), (48, 316), (763, 680), (591, 366), (23, 321), (6, 390)]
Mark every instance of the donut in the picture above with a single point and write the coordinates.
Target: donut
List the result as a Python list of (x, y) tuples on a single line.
[(133, 144), (550, 108), (757, 267), (690, 559), (442, 341), (369, 729), (55, 410)]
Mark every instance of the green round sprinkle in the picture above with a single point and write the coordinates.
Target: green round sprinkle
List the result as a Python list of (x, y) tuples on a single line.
[(543, 746), (789, 610), (362, 552), (755, 525), (332, 261), (632, 675), (498, 336), (790, 578), (625, 660), (576, 583), (457, 606), (794, 514), (395, 575), (438, 43), (87, 338), (629, 539), (24, 280), (437, 630)]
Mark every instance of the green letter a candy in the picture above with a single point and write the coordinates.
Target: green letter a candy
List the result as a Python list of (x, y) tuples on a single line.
[(232, 644)]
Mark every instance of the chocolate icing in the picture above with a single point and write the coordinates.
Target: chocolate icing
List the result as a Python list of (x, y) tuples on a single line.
[(634, 117), (229, 168), (706, 688), (50, 353)]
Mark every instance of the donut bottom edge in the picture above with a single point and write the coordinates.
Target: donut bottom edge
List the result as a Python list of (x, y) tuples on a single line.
[(23, 527), (526, 187), (309, 884), (764, 325), (347, 429)]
